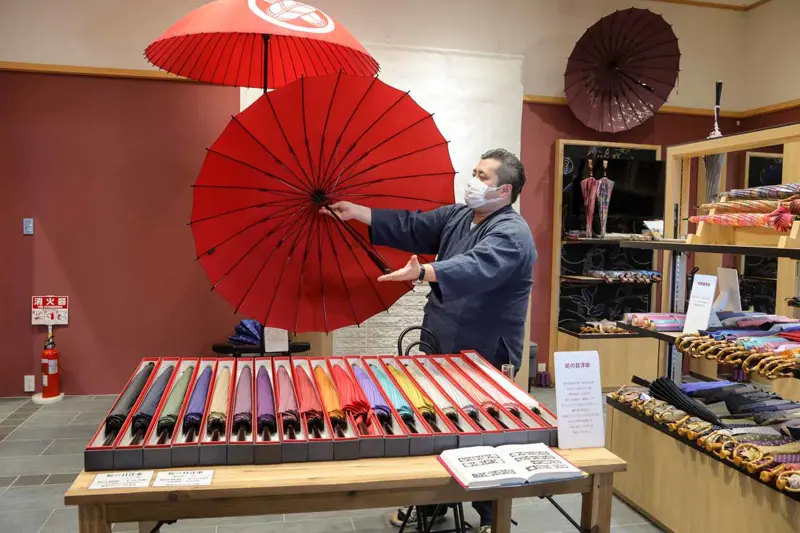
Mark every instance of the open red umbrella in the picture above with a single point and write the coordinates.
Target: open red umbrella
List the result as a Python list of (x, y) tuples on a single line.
[(258, 43), (256, 215), (622, 70)]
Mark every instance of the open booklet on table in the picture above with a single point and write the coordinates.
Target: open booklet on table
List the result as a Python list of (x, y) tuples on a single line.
[(483, 466)]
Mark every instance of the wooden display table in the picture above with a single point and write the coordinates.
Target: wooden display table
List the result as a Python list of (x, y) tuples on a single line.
[(334, 486), (687, 491)]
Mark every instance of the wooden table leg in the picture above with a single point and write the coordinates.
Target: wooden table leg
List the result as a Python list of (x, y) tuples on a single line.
[(596, 505), (92, 519), (501, 516)]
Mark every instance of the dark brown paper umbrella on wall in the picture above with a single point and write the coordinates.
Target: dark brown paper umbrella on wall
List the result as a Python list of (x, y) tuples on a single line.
[(622, 70)]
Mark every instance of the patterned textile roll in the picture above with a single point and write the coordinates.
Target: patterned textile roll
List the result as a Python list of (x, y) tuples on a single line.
[(780, 219), (767, 192)]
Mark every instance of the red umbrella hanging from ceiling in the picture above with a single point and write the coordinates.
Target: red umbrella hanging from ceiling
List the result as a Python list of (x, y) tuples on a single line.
[(622, 70), (256, 215), (258, 43)]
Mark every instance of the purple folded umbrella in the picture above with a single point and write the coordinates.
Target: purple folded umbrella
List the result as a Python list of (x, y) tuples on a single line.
[(197, 404), (376, 400), (243, 408), (265, 404)]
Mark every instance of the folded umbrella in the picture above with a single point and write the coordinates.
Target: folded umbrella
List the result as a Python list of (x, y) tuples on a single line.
[(394, 396), (143, 417), (604, 188), (488, 387), (243, 408), (218, 410), (122, 408), (330, 399), (417, 398), (765, 192), (287, 404), (461, 400), (310, 404), (781, 219), (589, 190), (487, 403), (435, 396), (197, 404), (169, 413), (666, 390), (352, 397), (265, 405), (752, 206), (375, 399)]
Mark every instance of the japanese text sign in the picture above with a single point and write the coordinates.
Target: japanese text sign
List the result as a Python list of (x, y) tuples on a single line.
[(50, 310), (579, 399)]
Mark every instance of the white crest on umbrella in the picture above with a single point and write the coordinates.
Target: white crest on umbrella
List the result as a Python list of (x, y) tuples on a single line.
[(293, 15)]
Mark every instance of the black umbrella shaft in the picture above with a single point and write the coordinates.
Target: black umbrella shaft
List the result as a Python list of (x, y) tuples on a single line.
[(265, 37)]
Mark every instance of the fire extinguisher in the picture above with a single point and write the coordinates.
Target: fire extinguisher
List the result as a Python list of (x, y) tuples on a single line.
[(51, 383)]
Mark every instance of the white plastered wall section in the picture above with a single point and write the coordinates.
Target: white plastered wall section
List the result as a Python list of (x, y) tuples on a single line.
[(477, 104)]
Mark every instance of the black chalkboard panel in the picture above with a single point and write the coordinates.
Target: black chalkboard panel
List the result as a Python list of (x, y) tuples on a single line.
[(638, 195), (759, 282)]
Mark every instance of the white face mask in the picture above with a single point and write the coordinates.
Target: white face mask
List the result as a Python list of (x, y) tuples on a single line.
[(475, 195)]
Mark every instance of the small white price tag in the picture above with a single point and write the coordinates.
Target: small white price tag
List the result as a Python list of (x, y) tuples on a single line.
[(184, 478), (137, 479)]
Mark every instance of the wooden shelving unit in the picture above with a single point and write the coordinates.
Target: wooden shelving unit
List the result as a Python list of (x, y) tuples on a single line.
[(621, 355), (711, 242)]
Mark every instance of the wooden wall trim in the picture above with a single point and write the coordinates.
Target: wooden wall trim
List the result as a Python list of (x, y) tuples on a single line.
[(716, 5), (75, 70), (678, 110), (152, 74)]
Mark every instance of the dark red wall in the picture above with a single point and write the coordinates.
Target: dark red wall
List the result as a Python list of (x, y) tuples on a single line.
[(542, 125), (105, 167)]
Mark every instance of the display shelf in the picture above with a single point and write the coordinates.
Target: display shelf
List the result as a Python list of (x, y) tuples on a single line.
[(679, 246), (577, 335), (594, 241), (665, 336), (592, 280), (663, 429), (695, 491)]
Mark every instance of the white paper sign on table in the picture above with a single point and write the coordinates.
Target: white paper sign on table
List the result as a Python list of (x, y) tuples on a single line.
[(135, 479), (276, 340), (701, 300), (580, 400), (184, 478)]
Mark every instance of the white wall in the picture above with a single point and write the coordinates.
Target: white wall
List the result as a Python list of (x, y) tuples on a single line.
[(113, 33), (773, 66)]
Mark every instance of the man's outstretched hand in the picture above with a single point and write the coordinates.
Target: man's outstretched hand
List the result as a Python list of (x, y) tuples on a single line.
[(349, 211), (410, 272)]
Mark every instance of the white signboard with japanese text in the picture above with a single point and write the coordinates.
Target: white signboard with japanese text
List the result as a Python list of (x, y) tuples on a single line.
[(580, 400), (50, 310), (184, 478), (135, 479), (701, 300)]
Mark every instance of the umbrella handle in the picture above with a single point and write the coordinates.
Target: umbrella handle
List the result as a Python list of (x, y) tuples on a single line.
[(437, 348), (421, 344)]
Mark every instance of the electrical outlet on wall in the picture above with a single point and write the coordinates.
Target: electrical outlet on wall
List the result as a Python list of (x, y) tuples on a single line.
[(30, 383)]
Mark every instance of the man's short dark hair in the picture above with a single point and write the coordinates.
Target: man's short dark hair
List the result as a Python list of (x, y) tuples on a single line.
[(510, 170)]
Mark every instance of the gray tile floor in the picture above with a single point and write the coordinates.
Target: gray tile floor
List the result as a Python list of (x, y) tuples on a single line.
[(41, 453)]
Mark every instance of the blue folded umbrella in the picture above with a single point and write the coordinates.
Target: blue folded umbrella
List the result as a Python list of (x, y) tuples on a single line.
[(247, 332)]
